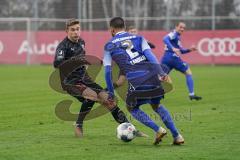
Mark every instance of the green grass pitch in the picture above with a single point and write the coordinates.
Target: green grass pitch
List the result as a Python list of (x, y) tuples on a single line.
[(29, 128)]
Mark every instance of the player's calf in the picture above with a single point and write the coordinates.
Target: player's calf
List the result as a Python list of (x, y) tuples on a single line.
[(111, 105)]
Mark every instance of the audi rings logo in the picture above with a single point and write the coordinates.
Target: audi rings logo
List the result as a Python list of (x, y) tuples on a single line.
[(1, 47), (219, 46)]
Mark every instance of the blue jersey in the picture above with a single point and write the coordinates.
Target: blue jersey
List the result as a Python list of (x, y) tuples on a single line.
[(133, 56), (173, 40)]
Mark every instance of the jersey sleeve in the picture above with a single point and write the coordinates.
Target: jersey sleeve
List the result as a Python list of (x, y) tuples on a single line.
[(172, 35), (107, 61), (83, 45), (145, 45), (151, 57), (183, 50), (167, 42), (59, 56)]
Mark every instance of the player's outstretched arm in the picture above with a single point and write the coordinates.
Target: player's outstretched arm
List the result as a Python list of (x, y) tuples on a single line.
[(184, 50), (191, 49)]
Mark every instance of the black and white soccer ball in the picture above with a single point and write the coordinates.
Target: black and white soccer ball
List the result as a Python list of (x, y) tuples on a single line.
[(126, 132)]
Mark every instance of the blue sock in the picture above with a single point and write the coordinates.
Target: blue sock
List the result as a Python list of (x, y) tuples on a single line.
[(167, 120), (189, 81), (144, 119)]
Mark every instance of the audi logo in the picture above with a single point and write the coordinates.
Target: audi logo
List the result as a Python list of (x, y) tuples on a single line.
[(1, 47), (219, 46)]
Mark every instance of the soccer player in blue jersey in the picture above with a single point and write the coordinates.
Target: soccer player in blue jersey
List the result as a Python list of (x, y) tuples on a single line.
[(134, 57), (172, 60), (121, 77)]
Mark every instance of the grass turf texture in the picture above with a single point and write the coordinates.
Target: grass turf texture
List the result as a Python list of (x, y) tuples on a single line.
[(29, 128)]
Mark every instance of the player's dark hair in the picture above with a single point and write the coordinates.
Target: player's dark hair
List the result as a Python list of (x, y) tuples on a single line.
[(71, 22), (178, 23), (117, 22)]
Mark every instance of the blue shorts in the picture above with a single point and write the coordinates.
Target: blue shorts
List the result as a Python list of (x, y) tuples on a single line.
[(148, 92), (170, 61)]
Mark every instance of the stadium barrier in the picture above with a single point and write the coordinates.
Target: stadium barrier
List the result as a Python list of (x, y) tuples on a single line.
[(214, 47)]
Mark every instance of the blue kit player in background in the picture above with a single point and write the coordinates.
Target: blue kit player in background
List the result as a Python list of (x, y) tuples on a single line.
[(171, 58), (134, 57)]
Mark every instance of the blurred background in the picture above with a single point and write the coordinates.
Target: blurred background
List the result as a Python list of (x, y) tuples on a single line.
[(31, 29)]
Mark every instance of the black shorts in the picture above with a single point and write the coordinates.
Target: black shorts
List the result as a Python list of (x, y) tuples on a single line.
[(76, 87)]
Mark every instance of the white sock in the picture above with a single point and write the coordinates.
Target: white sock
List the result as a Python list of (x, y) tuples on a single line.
[(191, 94)]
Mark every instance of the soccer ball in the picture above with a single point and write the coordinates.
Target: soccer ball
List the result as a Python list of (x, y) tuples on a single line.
[(126, 132)]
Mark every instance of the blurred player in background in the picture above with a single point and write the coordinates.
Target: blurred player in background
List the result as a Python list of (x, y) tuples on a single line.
[(143, 72), (134, 30), (172, 60), (77, 82)]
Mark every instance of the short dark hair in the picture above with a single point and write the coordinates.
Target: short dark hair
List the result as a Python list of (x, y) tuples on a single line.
[(117, 22), (71, 22), (178, 23)]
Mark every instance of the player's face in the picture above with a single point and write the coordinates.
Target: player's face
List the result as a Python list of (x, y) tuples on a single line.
[(133, 31), (73, 32), (180, 28)]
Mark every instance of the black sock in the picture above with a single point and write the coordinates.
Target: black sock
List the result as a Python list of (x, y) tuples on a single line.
[(84, 110), (119, 115)]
